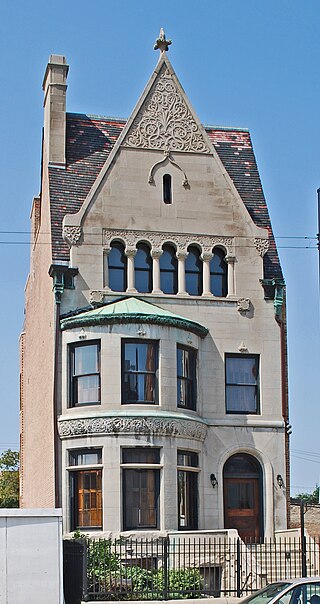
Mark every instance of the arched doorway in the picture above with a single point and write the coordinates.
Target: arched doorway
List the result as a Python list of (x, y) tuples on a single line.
[(242, 487)]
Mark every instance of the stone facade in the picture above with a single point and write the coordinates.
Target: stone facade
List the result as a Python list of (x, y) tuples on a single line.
[(205, 216)]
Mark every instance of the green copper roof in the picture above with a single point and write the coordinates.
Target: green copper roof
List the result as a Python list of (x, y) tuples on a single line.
[(132, 310)]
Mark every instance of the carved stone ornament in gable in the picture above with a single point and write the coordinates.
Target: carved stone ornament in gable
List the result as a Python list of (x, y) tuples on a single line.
[(156, 240), (165, 122), (72, 234), (262, 246)]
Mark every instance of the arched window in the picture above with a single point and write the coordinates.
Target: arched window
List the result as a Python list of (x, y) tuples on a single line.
[(242, 485), (143, 269), (117, 262), (167, 189), (168, 270), (218, 274), (193, 271)]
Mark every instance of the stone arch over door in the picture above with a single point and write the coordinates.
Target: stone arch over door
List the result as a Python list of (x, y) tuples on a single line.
[(243, 496)]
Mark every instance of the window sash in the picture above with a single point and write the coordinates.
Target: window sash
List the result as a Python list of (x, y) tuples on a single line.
[(168, 270), (84, 374), (186, 378), (193, 272), (140, 498), (85, 457), (187, 500), (143, 269), (139, 372), (140, 455), (86, 498), (242, 384), (187, 458), (167, 188)]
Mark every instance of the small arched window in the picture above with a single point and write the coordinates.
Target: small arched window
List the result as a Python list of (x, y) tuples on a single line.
[(168, 270), (167, 189), (143, 269), (218, 274), (193, 271), (117, 263)]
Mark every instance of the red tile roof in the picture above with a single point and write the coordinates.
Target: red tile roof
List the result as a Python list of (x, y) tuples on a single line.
[(90, 140)]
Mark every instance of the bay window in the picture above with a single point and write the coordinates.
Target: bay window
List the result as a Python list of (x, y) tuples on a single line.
[(85, 488), (139, 372), (141, 483), (84, 366), (187, 462)]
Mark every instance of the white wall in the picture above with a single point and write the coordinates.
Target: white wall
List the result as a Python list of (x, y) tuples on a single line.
[(31, 556)]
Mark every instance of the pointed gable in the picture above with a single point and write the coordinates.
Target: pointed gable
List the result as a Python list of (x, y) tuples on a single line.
[(165, 120)]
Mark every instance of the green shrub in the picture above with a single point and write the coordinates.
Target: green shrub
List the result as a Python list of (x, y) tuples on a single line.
[(108, 574)]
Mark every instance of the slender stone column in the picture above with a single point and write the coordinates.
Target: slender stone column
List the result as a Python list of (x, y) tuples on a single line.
[(155, 255), (181, 273), (106, 252), (206, 257), (230, 260), (130, 253)]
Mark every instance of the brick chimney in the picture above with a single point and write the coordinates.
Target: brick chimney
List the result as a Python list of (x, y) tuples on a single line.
[(55, 87)]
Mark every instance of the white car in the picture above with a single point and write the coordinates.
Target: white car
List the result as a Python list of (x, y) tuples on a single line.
[(291, 591)]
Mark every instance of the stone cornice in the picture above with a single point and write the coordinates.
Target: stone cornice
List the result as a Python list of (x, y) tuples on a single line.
[(126, 318)]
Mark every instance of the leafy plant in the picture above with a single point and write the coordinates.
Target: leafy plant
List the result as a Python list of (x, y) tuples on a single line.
[(110, 577), (9, 479), (309, 497), (182, 583)]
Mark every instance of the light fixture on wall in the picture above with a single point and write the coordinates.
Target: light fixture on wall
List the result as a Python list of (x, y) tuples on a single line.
[(280, 481), (213, 480)]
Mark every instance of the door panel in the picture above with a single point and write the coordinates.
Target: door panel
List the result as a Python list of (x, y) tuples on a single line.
[(242, 507)]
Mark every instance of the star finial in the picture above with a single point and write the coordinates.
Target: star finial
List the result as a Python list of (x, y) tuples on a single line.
[(162, 43)]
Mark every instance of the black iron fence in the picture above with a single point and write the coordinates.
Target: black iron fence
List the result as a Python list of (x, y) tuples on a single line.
[(179, 567)]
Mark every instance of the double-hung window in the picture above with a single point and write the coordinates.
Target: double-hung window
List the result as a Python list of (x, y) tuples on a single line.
[(141, 482), (188, 463), (117, 265), (139, 372), (242, 383), (186, 377), (85, 488), (84, 365)]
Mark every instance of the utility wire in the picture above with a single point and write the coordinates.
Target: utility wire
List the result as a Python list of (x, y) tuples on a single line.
[(279, 247), (98, 235)]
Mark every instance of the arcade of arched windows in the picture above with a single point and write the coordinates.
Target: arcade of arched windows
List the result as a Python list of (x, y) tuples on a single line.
[(195, 269)]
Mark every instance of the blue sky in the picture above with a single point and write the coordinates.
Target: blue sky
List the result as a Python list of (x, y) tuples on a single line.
[(251, 63)]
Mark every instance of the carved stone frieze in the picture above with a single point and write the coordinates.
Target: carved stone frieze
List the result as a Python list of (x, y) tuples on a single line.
[(165, 122), (72, 234), (157, 239), (132, 425), (262, 245)]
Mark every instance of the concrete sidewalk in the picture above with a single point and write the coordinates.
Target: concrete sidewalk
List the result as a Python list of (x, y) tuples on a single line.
[(229, 600)]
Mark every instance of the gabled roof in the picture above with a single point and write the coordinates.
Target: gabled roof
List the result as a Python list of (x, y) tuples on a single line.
[(90, 140), (132, 310)]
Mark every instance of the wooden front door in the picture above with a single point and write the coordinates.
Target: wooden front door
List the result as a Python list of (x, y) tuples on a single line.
[(242, 497)]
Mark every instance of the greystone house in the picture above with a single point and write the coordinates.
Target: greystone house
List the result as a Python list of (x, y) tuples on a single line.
[(153, 353)]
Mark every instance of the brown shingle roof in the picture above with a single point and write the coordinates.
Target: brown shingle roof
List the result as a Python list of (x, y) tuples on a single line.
[(235, 150), (90, 140)]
